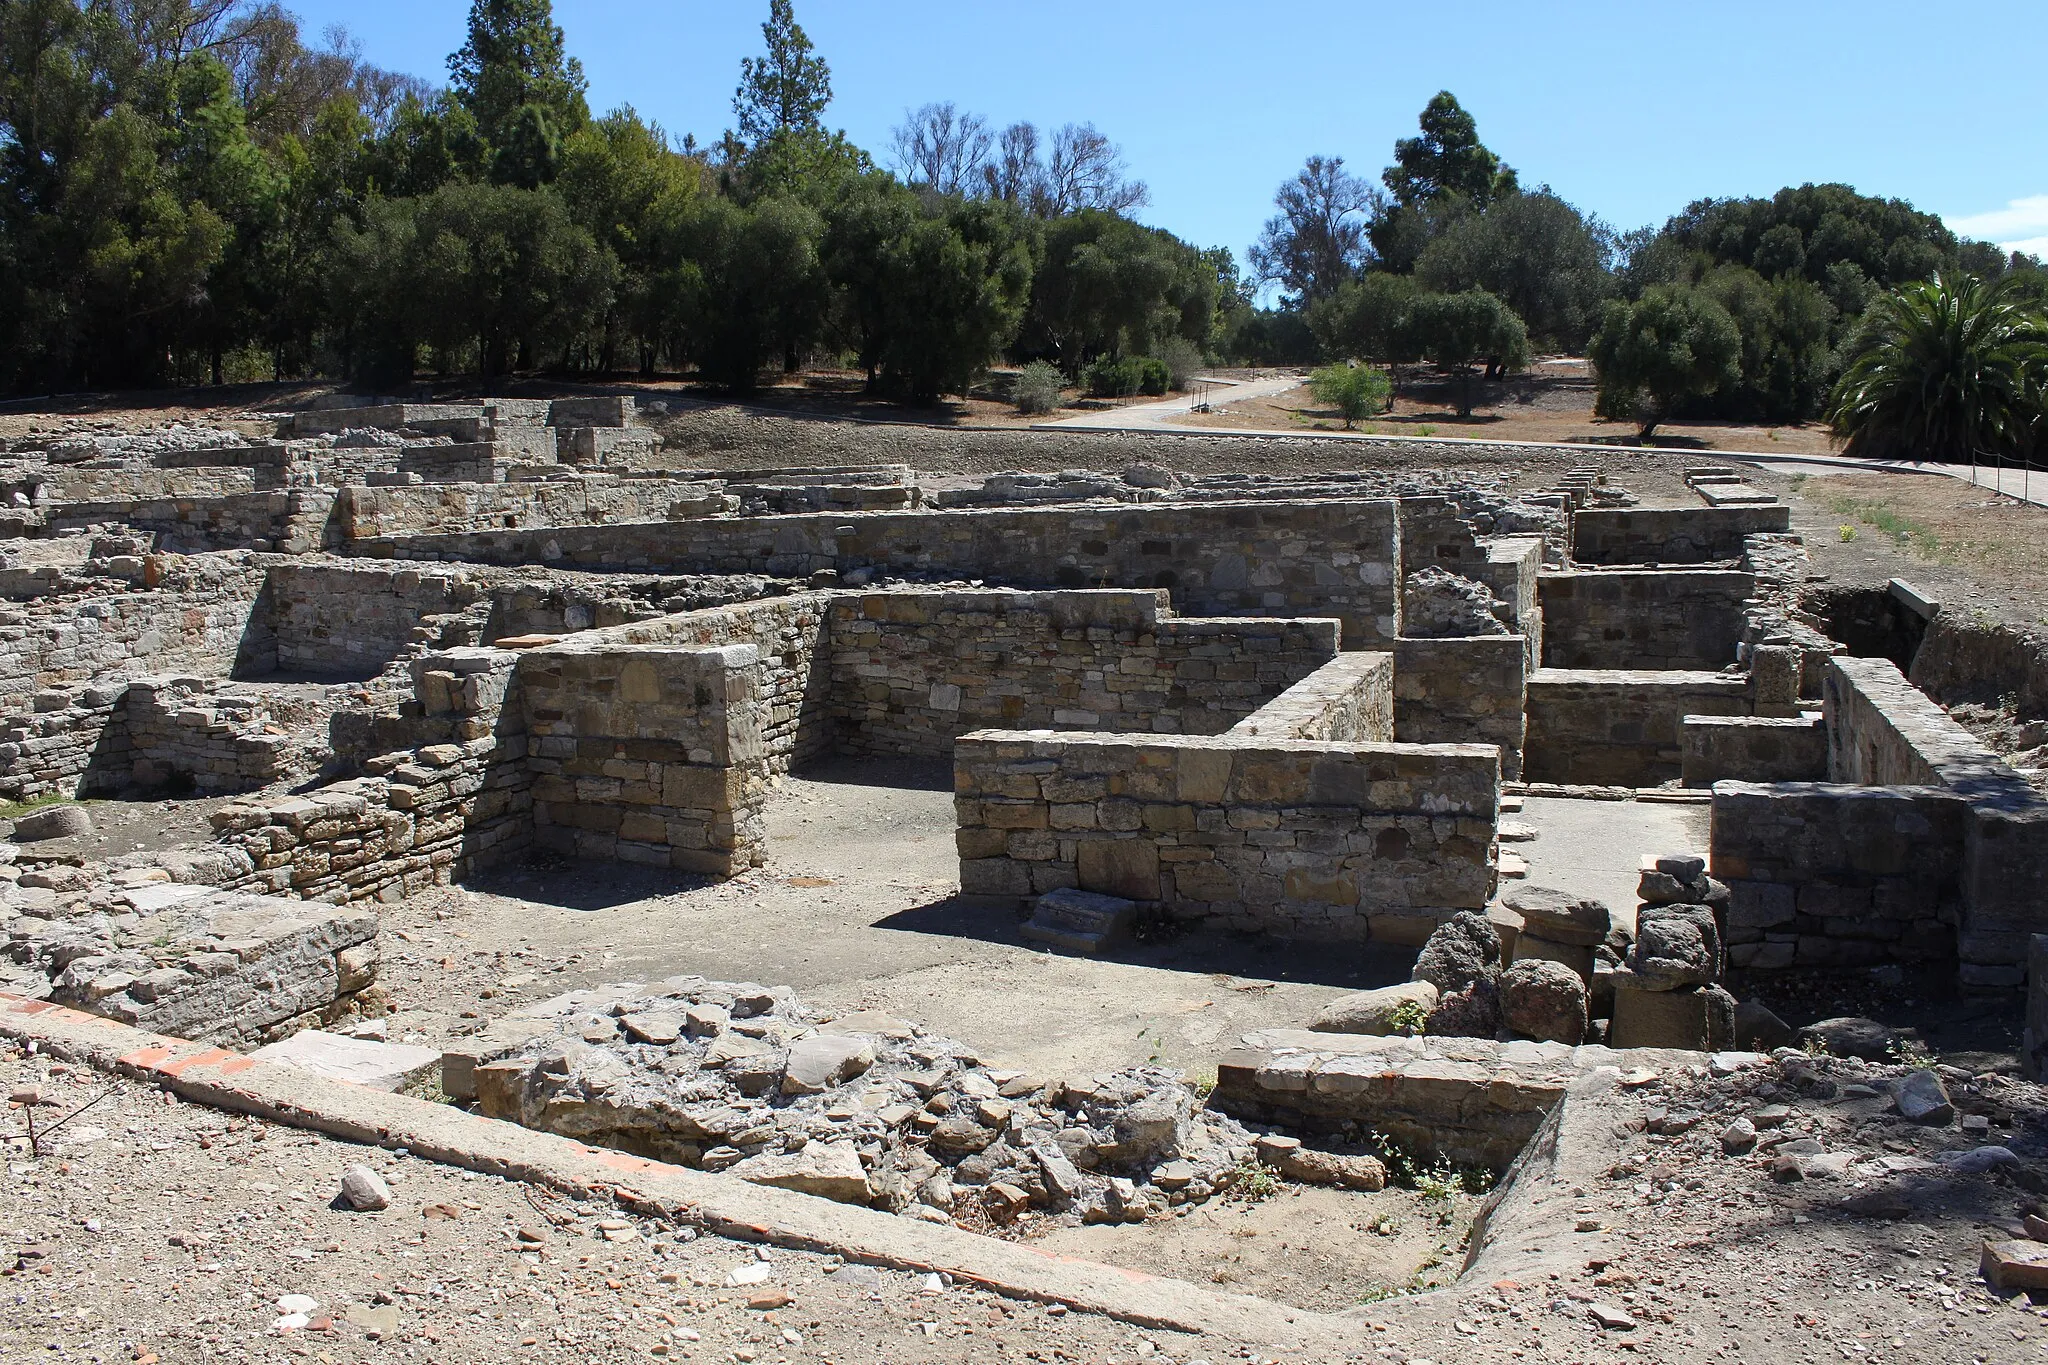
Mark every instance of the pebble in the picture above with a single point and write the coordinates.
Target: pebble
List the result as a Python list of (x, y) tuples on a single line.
[(753, 1272), (1738, 1137), (363, 1190)]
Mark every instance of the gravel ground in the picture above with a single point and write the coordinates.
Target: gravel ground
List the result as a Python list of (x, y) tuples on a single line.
[(161, 1231)]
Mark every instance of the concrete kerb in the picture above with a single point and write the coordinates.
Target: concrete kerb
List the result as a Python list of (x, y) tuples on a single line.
[(718, 1204)]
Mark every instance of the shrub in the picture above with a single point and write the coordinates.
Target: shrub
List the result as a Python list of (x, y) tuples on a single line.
[(1153, 376), (1355, 391), (1037, 388), (1183, 361), (1112, 378)]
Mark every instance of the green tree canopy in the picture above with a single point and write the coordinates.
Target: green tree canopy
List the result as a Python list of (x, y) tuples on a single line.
[(786, 89), (1672, 344), (515, 78), (1538, 254), (1447, 159)]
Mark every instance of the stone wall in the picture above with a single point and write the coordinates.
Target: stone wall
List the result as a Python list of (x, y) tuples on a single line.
[(1827, 875), (1293, 837), (1753, 749), (289, 521), (647, 754), (1463, 691), (182, 730), (1349, 699), (1329, 558), (351, 620), (912, 669), (72, 743), (437, 508), (1670, 535), (1618, 727), (1650, 619)]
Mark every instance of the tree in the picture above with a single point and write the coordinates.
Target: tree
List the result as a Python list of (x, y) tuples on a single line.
[(1672, 344), (1785, 325), (1456, 331), (1317, 240), (942, 148), (1106, 285), (961, 280), (1367, 319), (515, 79), (786, 90), (1944, 369), (1077, 169), (1354, 390), (760, 290), (1543, 258), (1447, 160)]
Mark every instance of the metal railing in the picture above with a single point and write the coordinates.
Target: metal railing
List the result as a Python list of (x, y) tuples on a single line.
[(1998, 465)]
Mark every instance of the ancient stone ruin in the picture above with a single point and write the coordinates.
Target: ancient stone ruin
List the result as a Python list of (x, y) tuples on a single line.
[(404, 645)]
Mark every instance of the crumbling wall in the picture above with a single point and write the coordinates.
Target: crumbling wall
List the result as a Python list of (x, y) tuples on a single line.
[(453, 507), (288, 521), (1650, 619), (1301, 838), (912, 669), (1334, 558), (351, 620), (1752, 749)]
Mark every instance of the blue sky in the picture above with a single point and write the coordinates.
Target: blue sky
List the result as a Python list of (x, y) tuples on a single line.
[(1629, 110)]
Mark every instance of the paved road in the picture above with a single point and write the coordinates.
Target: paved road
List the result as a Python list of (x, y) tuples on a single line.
[(1153, 417)]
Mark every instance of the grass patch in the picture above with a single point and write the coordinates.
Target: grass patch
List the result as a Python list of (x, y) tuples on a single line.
[(14, 810), (1905, 532)]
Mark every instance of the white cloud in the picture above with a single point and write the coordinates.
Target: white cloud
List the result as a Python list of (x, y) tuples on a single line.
[(2022, 225)]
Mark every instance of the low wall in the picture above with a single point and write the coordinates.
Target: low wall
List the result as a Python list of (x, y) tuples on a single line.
[(1335, 557), (1292, 837), (289, 521), (438, 508), (351, 620), (1651, 619), (1881, 729), (1753, 749), (1619, 727), (1463, 691), (1828, 875), (1349, 699), (913, 669), (1670, 535)]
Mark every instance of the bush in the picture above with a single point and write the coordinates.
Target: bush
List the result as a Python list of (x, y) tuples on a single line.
[(1112, 378), (1153, 376), (1355, 391), (1037, 388), (1183, 361)]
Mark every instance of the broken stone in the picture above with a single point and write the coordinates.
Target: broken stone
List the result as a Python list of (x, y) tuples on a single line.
[(1390, 1009), (1759, 1030), (2014, 1265), (1463, 949), (1471, 1013), (823, 1060), (1738, 1137), (1851, 1036), (56, 822), (1559, 916), (1922, 1098), (1437, 605), (1544, 1000), (1676, 946), (363, 1190), (831, 1170)]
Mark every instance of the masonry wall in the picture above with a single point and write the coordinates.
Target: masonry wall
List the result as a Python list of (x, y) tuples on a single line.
[(1618, 727), (1463, 691), (913, 669), (1327, 558), (289, 521), (1828, 875), (439, 508), (1350, 699), (351, 620), (1653, 619), (647, 754), (1670, 535), (1300, 838), (1753, 749)]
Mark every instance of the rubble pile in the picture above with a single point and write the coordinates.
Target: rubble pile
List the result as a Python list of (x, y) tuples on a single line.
[(860, 1108)]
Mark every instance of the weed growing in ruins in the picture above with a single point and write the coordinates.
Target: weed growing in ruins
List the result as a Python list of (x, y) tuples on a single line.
[(1909, 1052), (1251, 1181), (1408, 1019), (1036, 389), (14, 810), (1846, 532)]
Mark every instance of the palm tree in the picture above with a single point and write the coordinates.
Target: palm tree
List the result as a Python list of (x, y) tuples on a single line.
[(1942, 369)]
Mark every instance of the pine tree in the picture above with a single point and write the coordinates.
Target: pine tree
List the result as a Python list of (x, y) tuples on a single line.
[(787, 90), (513, 60)]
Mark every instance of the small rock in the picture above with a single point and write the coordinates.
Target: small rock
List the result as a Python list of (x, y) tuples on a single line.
[(1922, 1098), (363, 1190), (58, 822), (1379, 1012), (1978, 1160), (1882, 1201), (1757, 1029), (1544, 1000), (1463, 949), (1738, 1137), (1610, 1317), (1560, 916), (753, 1272), (1852, 1036)]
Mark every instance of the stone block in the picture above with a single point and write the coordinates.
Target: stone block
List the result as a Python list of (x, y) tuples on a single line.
[(1697, 1018), (378, 1066)]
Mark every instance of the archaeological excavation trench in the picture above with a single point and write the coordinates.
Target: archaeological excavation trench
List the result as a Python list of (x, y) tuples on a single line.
[(1078, 861)]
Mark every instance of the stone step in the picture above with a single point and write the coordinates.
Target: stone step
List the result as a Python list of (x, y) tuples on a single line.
[(1080, 921)]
